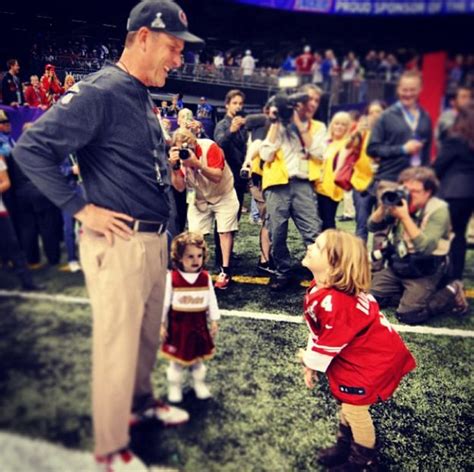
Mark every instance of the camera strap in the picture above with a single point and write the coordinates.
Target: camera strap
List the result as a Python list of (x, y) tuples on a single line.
[(300, 138)]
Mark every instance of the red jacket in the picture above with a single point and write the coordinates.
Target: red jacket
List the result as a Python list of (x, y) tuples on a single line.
[(35, 97), (52, 87), (352, 341), (304, 63)]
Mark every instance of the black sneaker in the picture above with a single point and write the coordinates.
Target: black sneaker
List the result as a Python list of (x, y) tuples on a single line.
[(414, 317), (344, 218), (32, 287), (280, 283), (266, 267)]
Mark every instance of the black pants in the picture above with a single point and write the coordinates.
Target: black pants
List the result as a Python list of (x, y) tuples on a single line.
[(37, 216), (181, 209), (327, 208), (460, 210), (10, 249)]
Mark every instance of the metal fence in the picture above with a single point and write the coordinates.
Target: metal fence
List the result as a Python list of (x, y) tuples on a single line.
[(340, 92)]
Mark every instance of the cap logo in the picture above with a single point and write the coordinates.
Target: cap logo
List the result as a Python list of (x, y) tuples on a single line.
[(182, 18), (158, 22)]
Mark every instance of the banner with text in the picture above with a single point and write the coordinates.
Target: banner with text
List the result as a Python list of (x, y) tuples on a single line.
[(370, 7)]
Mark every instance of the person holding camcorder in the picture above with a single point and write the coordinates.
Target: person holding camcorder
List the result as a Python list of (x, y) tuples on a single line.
[(292, 153), (416, 252)]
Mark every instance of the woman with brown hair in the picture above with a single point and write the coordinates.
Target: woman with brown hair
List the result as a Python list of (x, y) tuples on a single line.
[(455, 170)]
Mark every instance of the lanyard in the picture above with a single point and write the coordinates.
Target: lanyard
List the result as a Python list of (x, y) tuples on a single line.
[(157, 146), (411, 119)]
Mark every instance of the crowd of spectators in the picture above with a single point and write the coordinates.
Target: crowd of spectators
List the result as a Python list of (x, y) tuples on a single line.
[(78, 54), (258, 67)]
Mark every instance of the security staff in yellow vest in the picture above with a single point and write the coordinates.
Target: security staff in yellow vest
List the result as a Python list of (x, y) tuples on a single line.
[(420, 237), (293, 157)]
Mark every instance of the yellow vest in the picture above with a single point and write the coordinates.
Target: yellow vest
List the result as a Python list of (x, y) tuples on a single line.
[(276, 172), (363, 170), (325, 185)]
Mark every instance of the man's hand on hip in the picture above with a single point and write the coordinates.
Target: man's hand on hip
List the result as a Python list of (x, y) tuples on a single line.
[(106, 222)]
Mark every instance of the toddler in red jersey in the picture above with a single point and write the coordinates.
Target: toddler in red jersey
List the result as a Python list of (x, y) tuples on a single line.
[(352, 342), (190, 301)]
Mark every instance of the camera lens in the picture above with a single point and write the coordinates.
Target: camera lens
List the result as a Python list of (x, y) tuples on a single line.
[(392, 197), (184, 154), (244, 174)]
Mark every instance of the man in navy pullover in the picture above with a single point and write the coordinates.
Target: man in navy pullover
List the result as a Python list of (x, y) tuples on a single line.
[(109, 121)]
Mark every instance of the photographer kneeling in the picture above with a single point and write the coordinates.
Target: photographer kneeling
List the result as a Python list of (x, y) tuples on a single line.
[(199, 166), (419, 240)]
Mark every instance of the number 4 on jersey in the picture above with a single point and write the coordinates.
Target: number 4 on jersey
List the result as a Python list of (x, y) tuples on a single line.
[(327, 303)]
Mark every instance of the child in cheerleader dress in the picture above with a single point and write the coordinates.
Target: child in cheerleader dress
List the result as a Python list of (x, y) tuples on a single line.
[(190, 303)]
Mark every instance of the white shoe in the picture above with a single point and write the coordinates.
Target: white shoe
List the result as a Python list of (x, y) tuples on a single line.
[(175, 393), (202, 391), (170, 415), (199, 375), (124, 461), (167, 414), (74, 266)]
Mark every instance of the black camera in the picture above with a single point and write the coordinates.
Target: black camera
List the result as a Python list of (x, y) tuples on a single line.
[(244, 174), (286, 104), (184, 152), (240, 113), (394, 197)]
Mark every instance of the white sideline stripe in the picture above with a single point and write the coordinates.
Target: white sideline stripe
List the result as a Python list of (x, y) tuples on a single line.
[(462, 333)]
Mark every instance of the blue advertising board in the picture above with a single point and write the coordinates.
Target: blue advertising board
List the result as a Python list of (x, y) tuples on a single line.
[(370, 7)]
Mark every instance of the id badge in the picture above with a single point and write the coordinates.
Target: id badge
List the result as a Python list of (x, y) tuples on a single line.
[(415, 161), (402, 249), (303, 166), (190, 196)]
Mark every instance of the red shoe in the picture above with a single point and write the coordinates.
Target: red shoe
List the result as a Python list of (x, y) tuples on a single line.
[(222, 281)]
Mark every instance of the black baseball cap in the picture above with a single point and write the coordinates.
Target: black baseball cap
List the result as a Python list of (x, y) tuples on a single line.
[(165, 16)]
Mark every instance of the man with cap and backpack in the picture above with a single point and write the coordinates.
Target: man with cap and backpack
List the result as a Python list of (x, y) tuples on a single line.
[(121, 154)]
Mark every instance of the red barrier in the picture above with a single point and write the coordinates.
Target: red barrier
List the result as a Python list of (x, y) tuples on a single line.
[(434, 84)]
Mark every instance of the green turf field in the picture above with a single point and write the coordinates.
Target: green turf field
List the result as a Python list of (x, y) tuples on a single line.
[(261, 418)]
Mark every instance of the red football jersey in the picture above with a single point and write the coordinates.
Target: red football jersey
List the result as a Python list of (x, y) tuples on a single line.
[(352, 341)]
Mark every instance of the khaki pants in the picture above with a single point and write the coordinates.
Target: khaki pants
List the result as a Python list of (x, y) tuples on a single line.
[(126, 288), (358, 418), (414, 293)]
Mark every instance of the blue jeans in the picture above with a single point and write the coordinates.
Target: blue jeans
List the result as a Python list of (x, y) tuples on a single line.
[(363, 202)]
